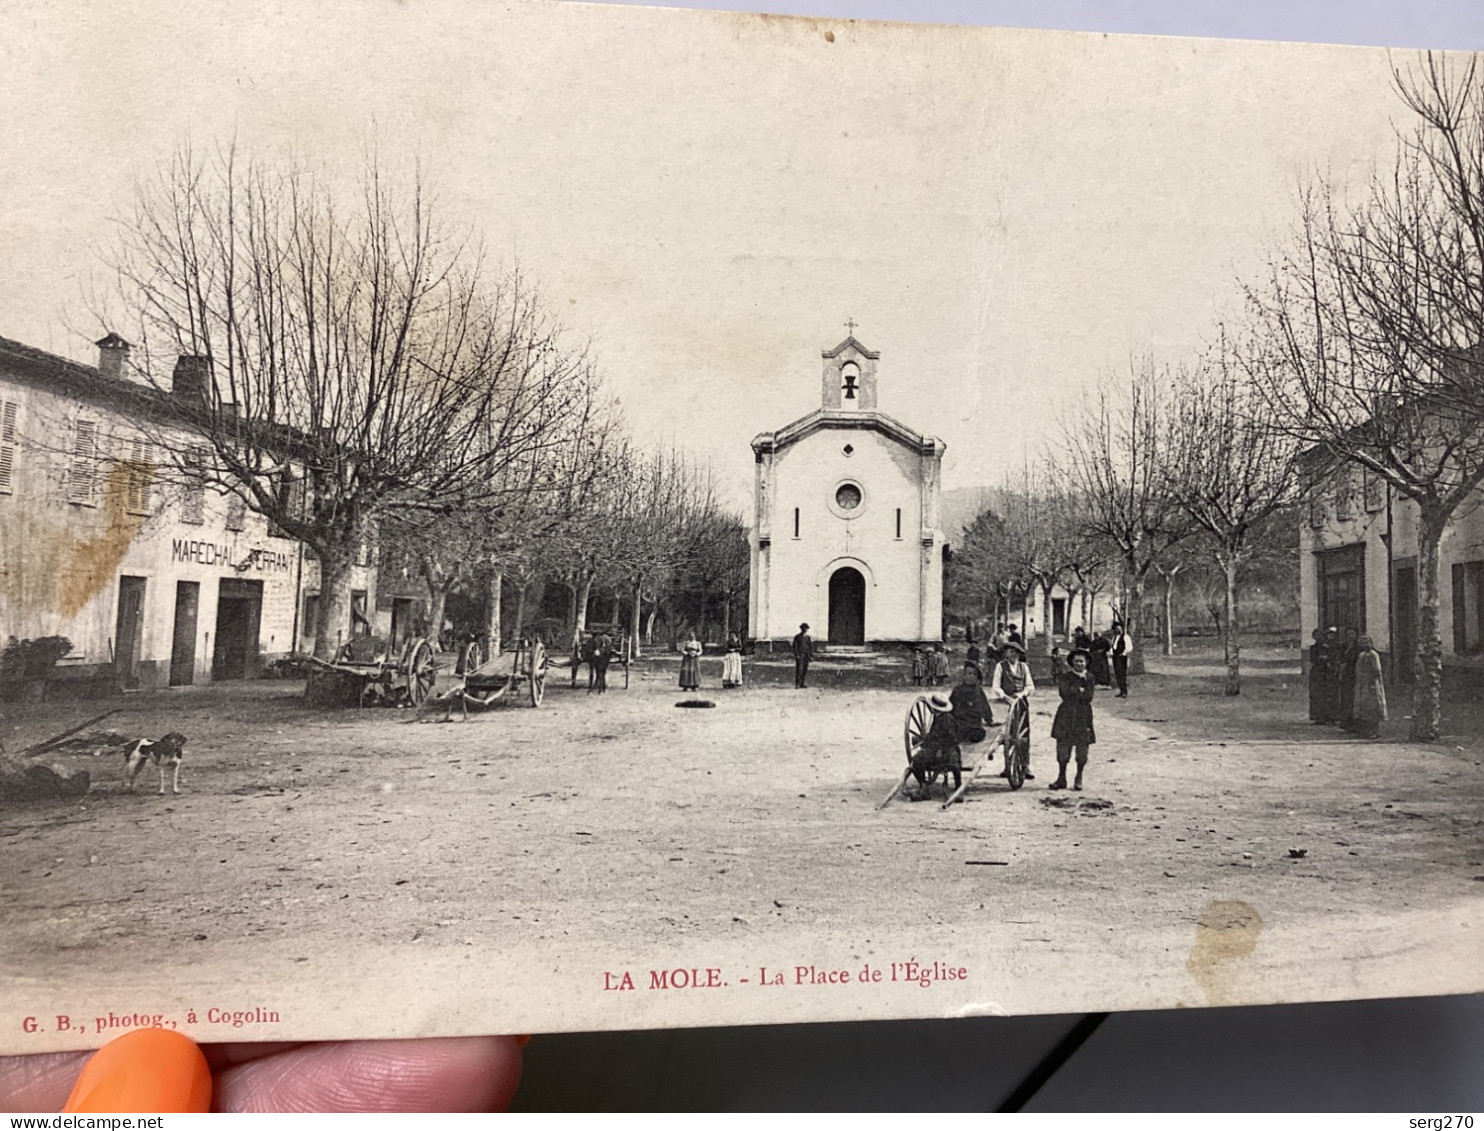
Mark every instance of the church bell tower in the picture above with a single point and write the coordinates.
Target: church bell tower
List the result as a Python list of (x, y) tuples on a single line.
[(849, 383)]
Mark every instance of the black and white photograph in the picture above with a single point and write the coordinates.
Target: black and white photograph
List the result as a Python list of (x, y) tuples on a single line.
[(549, 517)]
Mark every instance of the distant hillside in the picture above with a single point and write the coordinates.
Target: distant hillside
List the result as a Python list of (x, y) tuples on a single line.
[(961, 506)]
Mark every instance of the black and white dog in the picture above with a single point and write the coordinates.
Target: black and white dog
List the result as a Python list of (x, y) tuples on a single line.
[(170, 749)]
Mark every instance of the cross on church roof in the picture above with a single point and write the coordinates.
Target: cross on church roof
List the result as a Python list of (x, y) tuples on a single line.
[(851, 324)]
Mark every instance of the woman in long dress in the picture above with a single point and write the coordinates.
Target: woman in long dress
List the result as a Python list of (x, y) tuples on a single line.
[(690, 664), (1099, 649), (731, 664), (1370, 690)]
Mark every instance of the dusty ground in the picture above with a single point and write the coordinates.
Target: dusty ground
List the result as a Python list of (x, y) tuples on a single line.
[(503, 866)]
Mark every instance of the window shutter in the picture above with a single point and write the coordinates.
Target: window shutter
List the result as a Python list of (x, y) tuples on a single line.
[(193, 506), (9, 410), (236, 512), (141, 476), (84, 466)]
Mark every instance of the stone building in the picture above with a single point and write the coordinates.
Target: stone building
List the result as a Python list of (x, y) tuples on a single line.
[(845, 533), (1358, 569), (155, 583)]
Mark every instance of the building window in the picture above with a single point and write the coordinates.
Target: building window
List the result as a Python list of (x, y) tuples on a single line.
[(1344, 496), (899, 522), (848, 497), (83, 470), (9, 416), (141, 469), (193, 502), (796, 522), (236, 512), (1468, 607), (310, 627), (1373, 488), (1316, 512)]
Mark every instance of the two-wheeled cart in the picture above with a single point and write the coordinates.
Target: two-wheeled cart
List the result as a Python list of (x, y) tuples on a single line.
[(1013, 741)]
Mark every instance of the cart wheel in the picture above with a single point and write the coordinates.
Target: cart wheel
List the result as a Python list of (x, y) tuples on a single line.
[(422, 673), (536, 685), (468, 658), (919, 722), (1018, 744)]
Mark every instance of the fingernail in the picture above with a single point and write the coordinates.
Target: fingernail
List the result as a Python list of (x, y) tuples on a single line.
[(148, 1070), (523, 1039)]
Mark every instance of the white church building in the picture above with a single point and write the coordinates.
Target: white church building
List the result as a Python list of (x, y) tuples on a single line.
[(845, 535)]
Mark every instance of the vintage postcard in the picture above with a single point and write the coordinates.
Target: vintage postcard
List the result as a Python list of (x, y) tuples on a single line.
[(539, 517)]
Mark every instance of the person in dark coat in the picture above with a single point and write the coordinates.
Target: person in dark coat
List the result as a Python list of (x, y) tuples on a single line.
[(1321, 680), (1072, 728), (971, 706), (1097, 661), (803, 653), (1345, 678), (939, 750), (1123, 648)]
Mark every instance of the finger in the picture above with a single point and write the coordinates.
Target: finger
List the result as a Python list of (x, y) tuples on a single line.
[(435, 1074), (40, 1082), (228, 1055)]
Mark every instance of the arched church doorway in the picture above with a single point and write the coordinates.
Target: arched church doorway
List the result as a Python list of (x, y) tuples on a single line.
[(847, 606)]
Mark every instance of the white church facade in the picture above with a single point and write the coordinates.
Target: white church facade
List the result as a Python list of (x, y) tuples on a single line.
[(845, 534)]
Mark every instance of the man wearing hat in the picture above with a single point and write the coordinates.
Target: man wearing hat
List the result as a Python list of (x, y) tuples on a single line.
[(1012, 680), (939, 750), (803, 653)]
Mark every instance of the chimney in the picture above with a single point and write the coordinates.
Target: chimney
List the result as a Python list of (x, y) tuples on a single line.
[(113, 355), (192, 378)]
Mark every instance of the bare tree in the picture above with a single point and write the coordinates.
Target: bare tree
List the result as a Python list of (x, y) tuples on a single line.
[(1115, 450), (1230, 472), (1373, 318), (358, 350)]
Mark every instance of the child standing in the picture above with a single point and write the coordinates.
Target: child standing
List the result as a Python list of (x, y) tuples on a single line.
[(1072, 727)]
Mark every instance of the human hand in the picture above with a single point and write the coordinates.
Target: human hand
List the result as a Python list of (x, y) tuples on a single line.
[(432, 1074)]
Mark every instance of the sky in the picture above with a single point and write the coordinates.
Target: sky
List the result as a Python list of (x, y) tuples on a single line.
[(1007, 215)]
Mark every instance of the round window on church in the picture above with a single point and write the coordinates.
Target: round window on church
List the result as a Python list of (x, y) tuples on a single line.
[(848, 497)]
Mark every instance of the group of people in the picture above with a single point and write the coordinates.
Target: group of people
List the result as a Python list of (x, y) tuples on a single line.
[(930, 665), (965, 715), (1345, 683), (690, 663), (1107, 656)]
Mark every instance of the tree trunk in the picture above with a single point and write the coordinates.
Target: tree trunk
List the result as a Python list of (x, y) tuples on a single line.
[(649, 623), (1169, 632), (705, 592), (583, 595), (334, 599), (497, 583), (1232, 638), (1131, 613), (1046, 613), (1087, 609), (1427, 688), (437, 605), (635, 616), (520, 609), (726, 618)]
